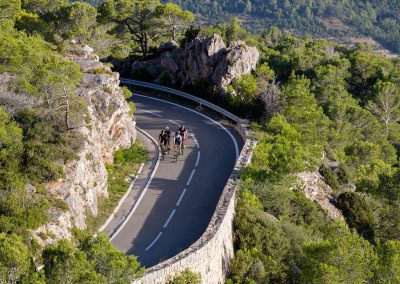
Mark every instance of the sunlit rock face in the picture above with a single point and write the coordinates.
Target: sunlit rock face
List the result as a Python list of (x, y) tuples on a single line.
[(107, 127), (206, 59)]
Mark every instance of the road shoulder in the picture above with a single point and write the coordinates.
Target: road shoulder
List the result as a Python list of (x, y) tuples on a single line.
[(136, 188)]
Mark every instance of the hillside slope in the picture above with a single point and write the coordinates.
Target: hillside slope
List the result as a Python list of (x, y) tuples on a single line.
[(322, 18)]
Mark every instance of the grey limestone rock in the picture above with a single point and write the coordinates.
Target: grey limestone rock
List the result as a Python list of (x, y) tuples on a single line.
[(109, 127), (203, 58)]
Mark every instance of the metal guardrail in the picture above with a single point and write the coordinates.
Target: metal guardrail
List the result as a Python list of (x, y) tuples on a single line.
[(184, 95)]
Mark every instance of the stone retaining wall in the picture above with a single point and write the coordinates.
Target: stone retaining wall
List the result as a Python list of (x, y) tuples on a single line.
[(211, 254)]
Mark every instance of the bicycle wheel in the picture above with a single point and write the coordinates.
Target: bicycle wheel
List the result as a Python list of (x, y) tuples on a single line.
[(176, 153)]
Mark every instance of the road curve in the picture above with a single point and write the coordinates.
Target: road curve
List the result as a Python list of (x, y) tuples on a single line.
[(181, 197)]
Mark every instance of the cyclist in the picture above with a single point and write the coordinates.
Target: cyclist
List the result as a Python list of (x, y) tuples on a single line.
[(177, 142), (163, 142), (168, 132), (184, 133)]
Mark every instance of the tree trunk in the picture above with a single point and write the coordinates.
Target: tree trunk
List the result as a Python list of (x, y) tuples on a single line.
[(67, 113), (174, 33)]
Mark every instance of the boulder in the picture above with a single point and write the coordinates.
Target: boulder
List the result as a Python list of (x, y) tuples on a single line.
[(167, 46), (203, 58)]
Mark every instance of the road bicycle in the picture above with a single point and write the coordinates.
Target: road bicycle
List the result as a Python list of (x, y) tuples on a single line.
[(164, 151), (177, 151)]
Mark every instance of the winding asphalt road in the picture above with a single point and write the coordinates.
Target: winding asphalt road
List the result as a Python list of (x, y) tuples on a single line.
[(181, 198)]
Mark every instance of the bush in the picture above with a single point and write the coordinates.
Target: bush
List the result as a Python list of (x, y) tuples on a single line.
[(343, 175), (358, 214), (186, 277), (330, 177), (132, 108), (135, 154), (127, 93)]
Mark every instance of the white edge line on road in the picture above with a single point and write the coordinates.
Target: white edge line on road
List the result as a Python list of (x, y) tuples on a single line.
[(169, 218), (174, 122), (158, 162), (198, 159), (203, 115), (190, 178), (195, 141), (144, 190), (181, 197), (122, 200), (153, 113), (153, 242)]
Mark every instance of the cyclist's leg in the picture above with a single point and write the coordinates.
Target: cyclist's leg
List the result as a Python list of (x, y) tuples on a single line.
[(176, 149), (166, 147)]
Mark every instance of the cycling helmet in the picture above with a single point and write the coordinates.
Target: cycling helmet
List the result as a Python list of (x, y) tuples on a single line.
[(182, 126), (167, 128)]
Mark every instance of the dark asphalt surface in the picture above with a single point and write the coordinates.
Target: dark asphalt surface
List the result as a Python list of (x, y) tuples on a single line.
[(161, 226)]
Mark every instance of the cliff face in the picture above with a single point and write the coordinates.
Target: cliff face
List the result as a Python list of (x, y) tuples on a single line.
[(203, 58), (109, 126)]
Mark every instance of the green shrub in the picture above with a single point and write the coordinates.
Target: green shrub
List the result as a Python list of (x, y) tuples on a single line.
[(132, 108), (127, 93), (108, 90), (135, 154), (102, 70), (186, 277), (330, 177), (358, 213), (343, 175)]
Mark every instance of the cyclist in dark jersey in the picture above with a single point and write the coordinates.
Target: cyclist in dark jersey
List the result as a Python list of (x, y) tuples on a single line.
[(168, 132), (163, 142), (184, 133)]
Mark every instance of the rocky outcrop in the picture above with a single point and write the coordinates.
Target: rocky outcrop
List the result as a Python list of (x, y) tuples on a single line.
[(314, 187), (109, 126), (207, 59)]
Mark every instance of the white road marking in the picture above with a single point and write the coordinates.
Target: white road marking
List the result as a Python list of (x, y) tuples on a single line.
[(195, 141), (169, 218), (174, 122), (158, 162), (153, 242), (181, 197), (144, 190), (205, 116), (153, 113), (190, 178), (198, 159)]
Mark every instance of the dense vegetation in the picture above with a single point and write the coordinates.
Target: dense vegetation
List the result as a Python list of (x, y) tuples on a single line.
[(40, 113), (323, 18), (317, 106)]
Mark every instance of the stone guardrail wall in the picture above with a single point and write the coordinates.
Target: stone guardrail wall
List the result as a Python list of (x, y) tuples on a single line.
[(209, 256)]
